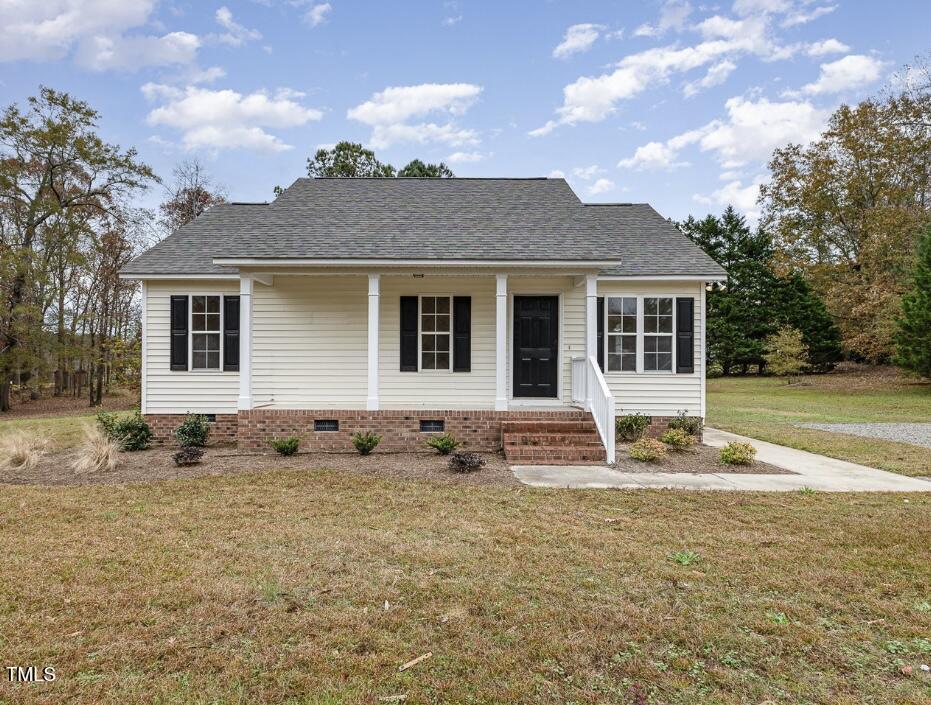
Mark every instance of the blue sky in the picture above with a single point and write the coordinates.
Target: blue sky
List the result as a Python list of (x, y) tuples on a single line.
[(672, 102)]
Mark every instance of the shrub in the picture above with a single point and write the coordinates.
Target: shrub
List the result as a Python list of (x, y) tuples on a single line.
[(685, 558), (465, 462), (647, 449), (365, 441), (189, 455), (737, 454), (444, 444), (285, 446), (692, 425), (130, 432), (97, 454), (193, 431), (20, 451), (631, 426), (677, 439)]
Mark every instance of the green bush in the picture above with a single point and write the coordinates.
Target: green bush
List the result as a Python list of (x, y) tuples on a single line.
[(648, 450), (365, 441), (692, 425), (466, 462), (129, 432), (631, 426), (444, 444), (285, 446), (193, 431), (677, 439), (738, 454)]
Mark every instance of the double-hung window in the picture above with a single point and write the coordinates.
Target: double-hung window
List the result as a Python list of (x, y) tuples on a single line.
[(622, 334), (205, 332), (657, 334), (435, 327)]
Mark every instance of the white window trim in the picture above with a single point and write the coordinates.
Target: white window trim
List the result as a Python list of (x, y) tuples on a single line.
[(636, 334), (190, 335), (641, 334), (420, 333)]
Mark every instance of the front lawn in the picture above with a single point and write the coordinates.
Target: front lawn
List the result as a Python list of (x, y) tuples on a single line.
[(315, 586), (768, 409)]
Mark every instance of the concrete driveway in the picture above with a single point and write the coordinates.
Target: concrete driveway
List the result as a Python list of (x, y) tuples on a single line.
[(811, 470)]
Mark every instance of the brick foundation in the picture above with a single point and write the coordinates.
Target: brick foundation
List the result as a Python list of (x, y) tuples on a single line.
[(400, 430), (223, 430), (658, 426)]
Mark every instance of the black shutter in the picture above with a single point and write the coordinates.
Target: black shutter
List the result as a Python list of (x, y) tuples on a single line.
[(685, 335), (409, 333), (462, 333), (179, 332), (231, 333), (601, 333)]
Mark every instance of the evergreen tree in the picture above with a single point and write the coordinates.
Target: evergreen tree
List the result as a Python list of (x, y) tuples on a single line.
[(786, 353), (913, 337)]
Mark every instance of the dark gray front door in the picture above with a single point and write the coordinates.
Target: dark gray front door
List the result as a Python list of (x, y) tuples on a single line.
[(536, 346)]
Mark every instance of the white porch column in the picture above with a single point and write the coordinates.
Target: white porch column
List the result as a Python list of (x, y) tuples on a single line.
[(501, 342), (591, 332), (371, 401), (246, 285)]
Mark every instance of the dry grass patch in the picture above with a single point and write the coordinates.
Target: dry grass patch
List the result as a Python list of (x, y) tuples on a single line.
[(97, 454), (20, 450), (314, 587)]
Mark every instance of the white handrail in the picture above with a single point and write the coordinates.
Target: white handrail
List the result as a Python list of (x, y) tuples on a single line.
[(586, 375)]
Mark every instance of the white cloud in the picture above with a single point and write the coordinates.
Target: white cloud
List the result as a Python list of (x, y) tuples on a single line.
[(752, 130), (465, 157), (672, 17), (743, 196), (601, 186), (578, 38), (452, 20), (827, 46), (225, 119), (50, 29), (592, 99), (716, 75), (317, 14), (761, 7), (803, 16), (235, 35), (587, 172), (845, 74), (388, 113), (556, 174), (101, 53)]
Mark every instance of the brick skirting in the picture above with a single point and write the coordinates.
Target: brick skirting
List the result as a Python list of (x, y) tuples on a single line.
[(658, 426), (400, 430), (223, 430)]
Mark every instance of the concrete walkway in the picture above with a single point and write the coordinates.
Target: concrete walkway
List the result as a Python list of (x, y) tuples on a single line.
[(815, 471)]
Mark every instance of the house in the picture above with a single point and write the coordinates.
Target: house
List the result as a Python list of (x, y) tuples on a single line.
[(504, 311)]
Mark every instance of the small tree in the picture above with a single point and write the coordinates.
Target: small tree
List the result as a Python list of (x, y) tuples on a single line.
[(786, 353), (913, 337), (348, 160)]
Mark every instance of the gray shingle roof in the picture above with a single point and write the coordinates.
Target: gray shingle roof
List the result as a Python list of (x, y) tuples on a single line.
[(523, 220)]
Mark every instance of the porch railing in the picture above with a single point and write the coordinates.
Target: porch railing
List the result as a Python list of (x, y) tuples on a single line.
[(586, 375)]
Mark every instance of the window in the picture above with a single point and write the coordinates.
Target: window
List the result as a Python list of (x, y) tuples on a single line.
[(435, 328), (211, 418), (205, 332), (657, 334), (432, 426), (622, 334), (326, 424)]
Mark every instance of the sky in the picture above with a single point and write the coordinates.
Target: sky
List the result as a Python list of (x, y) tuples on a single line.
[(670, 102)]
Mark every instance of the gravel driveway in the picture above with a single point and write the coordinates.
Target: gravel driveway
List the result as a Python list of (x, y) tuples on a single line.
[(918, 434)]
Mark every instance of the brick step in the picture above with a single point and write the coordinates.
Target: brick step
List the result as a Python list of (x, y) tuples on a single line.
[(553, 455), (580, 426), (574, 440)]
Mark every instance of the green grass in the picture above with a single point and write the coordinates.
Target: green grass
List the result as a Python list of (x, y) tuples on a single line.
[(768, 409), (314, 587)]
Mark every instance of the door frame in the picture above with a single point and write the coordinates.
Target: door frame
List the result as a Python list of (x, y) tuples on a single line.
[(557, 398)]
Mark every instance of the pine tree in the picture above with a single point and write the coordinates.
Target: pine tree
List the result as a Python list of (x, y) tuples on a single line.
[(913, 337)]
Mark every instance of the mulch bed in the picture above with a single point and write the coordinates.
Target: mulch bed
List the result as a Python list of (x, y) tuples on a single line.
[(698, 459), (156, 464)]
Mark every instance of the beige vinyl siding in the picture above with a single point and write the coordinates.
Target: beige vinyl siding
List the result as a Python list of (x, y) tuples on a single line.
[(437, 389), (309, 342), (659, 393), (176, 392)]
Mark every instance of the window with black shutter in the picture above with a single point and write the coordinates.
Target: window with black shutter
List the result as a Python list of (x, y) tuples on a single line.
[(409, 313), (601, 333), (231, 333), (685, 335), (462, 333)]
